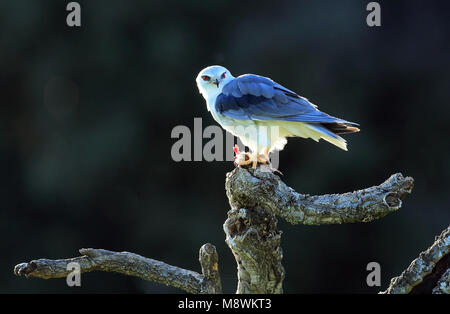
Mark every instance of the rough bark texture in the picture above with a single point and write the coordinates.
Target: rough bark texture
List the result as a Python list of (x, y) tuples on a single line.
[(209, 260), (133, 265), (429, 273), (443, 284), (254, 240), (257, 195), (250, 188)]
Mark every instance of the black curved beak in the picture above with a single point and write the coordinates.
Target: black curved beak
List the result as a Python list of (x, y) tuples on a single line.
[(217, 83)]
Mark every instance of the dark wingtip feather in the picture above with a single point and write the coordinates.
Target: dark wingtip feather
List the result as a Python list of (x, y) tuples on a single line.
[(342, 128)]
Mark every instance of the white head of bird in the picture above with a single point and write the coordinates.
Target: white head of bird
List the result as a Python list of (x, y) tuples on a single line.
[(211, 80)]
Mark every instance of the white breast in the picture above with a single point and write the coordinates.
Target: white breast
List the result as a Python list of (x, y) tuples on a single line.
[(249, 132)]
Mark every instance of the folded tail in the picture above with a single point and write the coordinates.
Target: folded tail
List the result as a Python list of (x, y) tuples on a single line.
[(342, 128), (327, 131)]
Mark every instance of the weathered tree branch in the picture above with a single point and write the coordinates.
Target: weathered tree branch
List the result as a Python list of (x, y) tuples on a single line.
[(252, 236), (209, 260), (443, 284), (133, 265), (429, 273), (250, 188), (257, 195)]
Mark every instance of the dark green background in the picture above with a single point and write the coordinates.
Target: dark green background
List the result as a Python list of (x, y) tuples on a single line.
[(86, 116)]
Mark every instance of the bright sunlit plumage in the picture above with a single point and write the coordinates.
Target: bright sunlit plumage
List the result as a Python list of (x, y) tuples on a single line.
[(262, 113)]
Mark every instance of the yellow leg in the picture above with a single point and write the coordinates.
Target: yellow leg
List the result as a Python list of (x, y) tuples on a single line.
[(254, 159), (251, 159), (264, 158), (245, 161), (266, 153)]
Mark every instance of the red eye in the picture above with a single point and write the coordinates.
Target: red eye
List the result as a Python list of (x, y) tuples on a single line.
[(206, 78), (224, 75)]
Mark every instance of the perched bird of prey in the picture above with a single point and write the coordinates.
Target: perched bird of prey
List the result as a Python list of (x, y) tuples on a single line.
[(263, 113)]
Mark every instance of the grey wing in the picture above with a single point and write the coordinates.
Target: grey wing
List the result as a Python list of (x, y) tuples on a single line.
[(253, 97)]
